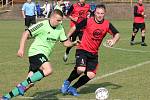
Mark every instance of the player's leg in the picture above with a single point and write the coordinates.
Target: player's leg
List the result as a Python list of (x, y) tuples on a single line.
[(72, 38), (80, 61), (90, 73), (44, 69), (27, 22), (135, 30), (143, 34)]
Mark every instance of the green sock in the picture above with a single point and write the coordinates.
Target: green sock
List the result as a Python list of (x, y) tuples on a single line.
[(35, 77), (12, 93)]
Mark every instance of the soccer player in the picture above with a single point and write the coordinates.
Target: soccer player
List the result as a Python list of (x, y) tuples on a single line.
[(95, 29), (76, 13), (139, 23), (29, 13), (46, 34)]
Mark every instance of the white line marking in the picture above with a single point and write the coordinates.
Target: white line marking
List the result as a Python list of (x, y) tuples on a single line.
[(105, 45), (121, 70), (97, 78)]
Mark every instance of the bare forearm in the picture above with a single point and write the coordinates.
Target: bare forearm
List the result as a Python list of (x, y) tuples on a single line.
[(116, 37), (23, 40)]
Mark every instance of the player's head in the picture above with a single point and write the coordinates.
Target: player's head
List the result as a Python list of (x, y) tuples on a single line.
[(56, 17), (29, 1), (82, 1), (99, 12), (140, 1)]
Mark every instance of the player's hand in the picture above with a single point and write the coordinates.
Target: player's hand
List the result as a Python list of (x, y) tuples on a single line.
[(75, 19), (76, 43), (20, 53), (110, 42)]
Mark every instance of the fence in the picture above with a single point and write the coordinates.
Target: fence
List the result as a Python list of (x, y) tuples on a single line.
[(5, 3)]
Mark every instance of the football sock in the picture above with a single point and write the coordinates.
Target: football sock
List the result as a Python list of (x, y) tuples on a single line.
[(73, 76), (12, 93), (143, 38), (132, 39), (82, 80), (35, 77), (68, 50)]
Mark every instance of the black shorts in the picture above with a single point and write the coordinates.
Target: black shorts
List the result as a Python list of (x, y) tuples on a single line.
[(86, 59), (36, 62), (29, 20), (137, 26), (76, 34)]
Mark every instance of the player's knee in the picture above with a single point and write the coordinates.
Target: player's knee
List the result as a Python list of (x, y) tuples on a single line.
[(81, 70), (135, 31), (47, 71), (91, 75)]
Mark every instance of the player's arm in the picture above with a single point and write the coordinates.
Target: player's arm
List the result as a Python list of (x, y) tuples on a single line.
[(115, 35), (22, 43), (79, 26), (69, 14), (68, 43)]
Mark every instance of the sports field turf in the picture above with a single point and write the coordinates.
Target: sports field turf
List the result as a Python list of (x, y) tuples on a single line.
[(124, 70)]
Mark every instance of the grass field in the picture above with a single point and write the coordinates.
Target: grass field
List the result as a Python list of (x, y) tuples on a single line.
[(124, 70)]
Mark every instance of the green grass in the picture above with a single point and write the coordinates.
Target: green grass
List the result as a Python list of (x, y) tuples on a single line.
[(131, 84)]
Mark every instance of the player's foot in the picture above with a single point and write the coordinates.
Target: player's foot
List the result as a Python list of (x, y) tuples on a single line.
[(73, 91), (4, 98), (65, 87), (143, 44), (21, 89), (132, 43), (65, 57)]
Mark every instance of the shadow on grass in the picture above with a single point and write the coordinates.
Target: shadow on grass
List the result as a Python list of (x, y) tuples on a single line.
[(47, 95), (90, 88)]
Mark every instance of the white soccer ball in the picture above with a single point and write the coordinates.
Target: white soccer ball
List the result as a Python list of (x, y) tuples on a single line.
[(101, 94)]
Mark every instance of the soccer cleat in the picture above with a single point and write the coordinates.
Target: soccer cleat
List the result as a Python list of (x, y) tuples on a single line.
[(143, 44), (65, 57), (65, 87), (132, 43), (4, 98), (73, 91), (21, 89)]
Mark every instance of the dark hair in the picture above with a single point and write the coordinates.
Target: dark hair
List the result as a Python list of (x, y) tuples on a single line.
[(57, 11), (101, 6)]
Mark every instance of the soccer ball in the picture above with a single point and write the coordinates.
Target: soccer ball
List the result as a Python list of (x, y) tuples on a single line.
[(101, 93)]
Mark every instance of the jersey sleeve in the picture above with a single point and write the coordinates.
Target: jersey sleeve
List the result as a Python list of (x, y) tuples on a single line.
[(82, 24), (63, 36), (35, 29), (112, 30)]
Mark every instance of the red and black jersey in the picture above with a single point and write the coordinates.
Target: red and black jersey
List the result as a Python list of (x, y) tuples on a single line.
[(78, 10), (94, 33), (138, 17)]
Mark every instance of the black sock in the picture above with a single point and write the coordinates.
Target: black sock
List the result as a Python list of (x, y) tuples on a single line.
[(132, 38), (82, 80), (73, 75), (143, 38), (68, 50)]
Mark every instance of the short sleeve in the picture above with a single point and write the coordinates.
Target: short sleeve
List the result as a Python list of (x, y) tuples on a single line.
[(35, 29)]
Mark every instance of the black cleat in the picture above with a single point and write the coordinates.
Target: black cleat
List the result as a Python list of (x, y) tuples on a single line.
[(143, 44)]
